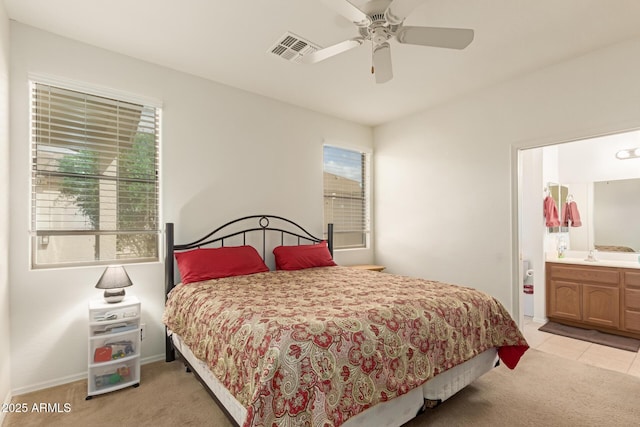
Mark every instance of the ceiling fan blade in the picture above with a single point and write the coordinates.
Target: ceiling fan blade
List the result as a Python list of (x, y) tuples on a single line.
[(451, 38), (349, 11), (327, 52), (382, 63), (398, 10)]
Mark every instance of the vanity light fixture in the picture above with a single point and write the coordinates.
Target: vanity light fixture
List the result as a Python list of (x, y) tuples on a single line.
[(631, 153)]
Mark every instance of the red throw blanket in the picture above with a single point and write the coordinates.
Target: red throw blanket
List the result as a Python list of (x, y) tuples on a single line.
[(318, 346)]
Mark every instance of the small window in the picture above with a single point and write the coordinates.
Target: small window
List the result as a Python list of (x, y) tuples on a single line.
[(94, 179), (346, 196)]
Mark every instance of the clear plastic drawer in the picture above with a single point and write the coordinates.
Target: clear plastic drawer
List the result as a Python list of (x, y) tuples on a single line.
[(114, 376), (114, 347)]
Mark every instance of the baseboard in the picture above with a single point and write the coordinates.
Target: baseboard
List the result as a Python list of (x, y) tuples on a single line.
[(151, 359), (541, 320), (6, 402), (49, 384), (71, 378)]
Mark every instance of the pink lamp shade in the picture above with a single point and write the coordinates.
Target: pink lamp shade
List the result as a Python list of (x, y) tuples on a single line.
[(113, 281)]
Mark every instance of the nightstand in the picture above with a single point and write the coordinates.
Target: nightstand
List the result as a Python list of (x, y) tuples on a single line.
[(370, 267), (114, 345)]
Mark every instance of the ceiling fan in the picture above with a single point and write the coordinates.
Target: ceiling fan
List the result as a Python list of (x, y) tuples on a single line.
[(381, 20)]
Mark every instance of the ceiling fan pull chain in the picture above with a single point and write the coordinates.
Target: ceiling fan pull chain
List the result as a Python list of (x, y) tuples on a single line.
[(373, 70)]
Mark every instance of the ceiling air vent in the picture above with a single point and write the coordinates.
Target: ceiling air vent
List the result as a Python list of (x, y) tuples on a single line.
[(292, 47)]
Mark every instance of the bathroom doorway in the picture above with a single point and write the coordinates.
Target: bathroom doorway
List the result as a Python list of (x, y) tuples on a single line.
[(580, 166)]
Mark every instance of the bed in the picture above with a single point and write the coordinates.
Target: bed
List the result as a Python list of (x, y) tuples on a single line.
[(315, 344), (613, 248)]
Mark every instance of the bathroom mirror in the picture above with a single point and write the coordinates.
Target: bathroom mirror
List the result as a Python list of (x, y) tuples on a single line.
[(616, 208)]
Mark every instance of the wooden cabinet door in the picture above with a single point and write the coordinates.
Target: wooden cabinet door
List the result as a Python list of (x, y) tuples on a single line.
[(564, 300), (631, 301), (601, 305)]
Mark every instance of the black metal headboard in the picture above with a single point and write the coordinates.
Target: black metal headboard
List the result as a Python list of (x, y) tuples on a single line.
[(220, 234)]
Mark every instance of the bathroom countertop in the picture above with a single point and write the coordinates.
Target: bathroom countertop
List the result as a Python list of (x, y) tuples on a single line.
[(599, 263)]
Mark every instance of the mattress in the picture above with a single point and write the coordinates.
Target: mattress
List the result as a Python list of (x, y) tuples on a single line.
[(321, 346)]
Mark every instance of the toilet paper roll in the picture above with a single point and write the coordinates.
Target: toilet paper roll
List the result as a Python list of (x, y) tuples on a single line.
[(529, 273)]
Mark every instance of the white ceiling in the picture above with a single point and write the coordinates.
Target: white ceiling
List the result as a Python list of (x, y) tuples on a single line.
[(227, 41)]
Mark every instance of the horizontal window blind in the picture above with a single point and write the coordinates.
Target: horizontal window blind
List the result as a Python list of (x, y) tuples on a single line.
[(346, 196), (94, 178)]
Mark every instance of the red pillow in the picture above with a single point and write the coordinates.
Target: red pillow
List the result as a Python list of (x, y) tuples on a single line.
[(214, 263), (304, 256)]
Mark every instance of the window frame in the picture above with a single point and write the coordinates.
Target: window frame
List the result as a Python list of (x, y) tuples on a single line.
[(111, 94), (367, 181)]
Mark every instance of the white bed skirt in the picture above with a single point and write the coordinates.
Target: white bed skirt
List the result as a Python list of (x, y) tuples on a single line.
[(392, 413)]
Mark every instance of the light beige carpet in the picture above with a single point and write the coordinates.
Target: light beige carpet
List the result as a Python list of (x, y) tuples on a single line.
[(544, 390)]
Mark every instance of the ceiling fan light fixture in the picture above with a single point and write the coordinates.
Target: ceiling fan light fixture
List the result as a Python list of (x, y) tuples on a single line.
[(382, 63)]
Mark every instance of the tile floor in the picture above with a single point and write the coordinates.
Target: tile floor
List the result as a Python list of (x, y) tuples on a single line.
[(582, 351)]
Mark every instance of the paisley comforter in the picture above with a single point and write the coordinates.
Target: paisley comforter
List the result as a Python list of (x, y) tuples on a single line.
[(315, 347)]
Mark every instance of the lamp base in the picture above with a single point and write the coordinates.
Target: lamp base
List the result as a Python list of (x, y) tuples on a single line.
[(113, 295)]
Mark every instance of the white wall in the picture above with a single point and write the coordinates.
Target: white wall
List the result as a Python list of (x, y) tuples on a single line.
[(225, 153), (5, 365), (445, 178)]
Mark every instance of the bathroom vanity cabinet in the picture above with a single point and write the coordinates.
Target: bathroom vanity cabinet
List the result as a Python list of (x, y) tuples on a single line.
[(594, 297)]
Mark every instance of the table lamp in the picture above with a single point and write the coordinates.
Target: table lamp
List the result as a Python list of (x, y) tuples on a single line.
[(113, 281)]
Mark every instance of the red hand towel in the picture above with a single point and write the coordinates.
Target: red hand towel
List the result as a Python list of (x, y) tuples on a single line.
[(574, 215), (551, 212), (570, 215)]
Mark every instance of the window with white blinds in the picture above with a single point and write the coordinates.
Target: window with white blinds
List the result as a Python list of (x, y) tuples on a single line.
[(94, 179), (346, 196)]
